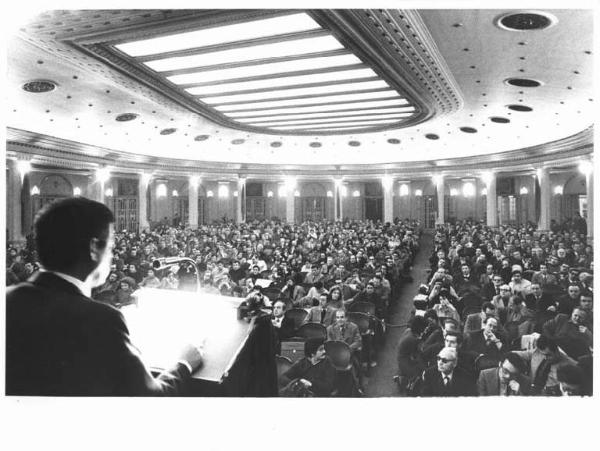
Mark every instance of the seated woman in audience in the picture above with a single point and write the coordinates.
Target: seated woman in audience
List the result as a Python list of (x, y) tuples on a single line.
[(150, 281), (293, 291), (410, 362), (169, 281)]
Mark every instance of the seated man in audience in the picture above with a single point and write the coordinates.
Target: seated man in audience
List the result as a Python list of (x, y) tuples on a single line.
[(314, 275), (487, 341), (466, 360), (543, 277), (586, 303), (508, 379), (570, 333), (343, 330), (435, 341), (447, 379), (314, 372), (320, 313), (474, 322), (369, 295), (150, 281), (567, 302), (518, 285), (410, 360), (491, 288), (465, 280), (282, 324), (543, 362), (501, 301), (444, 307)]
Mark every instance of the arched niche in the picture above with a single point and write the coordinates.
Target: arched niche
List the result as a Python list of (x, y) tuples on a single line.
[(313, 189), (55, 185)]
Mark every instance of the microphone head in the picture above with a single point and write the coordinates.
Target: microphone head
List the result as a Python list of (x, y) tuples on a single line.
[(156, 264)]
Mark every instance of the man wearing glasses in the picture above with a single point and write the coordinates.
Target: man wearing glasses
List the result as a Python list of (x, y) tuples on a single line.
[(447, 379), (508, 379)]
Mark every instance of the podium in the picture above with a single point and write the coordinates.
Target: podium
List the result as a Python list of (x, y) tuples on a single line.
[(239, 355)]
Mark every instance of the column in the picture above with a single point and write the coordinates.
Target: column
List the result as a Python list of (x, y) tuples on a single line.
[(337, 202), (143, 202), (388, 200), (439, 181), (13, 202), (545, 198), (289, 203), (589, 191), (491, 203), (241, 185), (193, 202)]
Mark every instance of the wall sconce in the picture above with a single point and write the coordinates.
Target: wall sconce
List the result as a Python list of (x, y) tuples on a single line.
[(418, 192), (484, 192), (235, 193), (76, 191), (523, 190), (558, 189), (209, 193), (175, 193), (296, 193), (35, 191), (269, 193), (108, 192), (329, 193), (404, 189), (453, 192), (356, 193)]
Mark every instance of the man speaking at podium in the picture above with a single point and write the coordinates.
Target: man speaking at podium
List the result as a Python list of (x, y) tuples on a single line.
[(59, 342)]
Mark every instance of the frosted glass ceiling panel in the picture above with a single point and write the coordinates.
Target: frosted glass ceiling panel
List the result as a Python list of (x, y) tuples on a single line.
[(364, 123), (399, 110), (221, 35), (313, 100), (273, 50), (265, 69), (283, 81), (319, 108), (328, 89), (396, 116)]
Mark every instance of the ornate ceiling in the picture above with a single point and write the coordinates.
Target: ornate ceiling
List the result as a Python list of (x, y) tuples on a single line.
[(213, 88)]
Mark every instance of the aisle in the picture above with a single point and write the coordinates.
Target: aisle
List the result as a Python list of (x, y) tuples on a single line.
[(380, 382)]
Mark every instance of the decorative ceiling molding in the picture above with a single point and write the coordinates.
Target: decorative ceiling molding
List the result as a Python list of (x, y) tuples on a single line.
[(49, 150)]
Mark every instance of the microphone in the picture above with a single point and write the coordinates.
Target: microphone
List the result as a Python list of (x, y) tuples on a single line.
[(165, 262)]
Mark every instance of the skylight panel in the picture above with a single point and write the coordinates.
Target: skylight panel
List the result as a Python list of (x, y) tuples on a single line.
[(283, 81), (253, 119), (221, 35), (312, 100), (396, 116), (272, 50), (320, 108), (334, 129), (328, 89), (265, 69), (365, 123)]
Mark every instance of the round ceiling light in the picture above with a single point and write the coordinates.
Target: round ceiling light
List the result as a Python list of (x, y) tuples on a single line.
[(168, 131), (276, 144), (315, 144), (499, 120), (354, 143), (125, 117), (468, 129), (393, 141), (39, 86), (522, 108), (432, 136), (526, 21), (201, 138), (238, 141), (523, 82)]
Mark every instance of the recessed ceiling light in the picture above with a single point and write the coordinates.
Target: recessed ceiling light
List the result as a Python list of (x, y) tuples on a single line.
[(468, 129), (201, 137), (168, 131), (522, 108), (526, 21), (315, 144), (432, 136), (238, 141), (523, 82), (354, 143), (39, 86), (125, 117), (276, 144), (393, 141)]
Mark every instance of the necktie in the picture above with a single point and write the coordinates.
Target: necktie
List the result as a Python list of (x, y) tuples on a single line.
[(446, 380), (323, 312)]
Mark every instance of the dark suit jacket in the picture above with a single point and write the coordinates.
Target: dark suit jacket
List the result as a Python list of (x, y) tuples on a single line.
[(489, 384), (59, 342), (460, 385), (475, 342)]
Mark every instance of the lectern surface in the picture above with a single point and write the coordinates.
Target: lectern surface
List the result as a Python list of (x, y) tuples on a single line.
[(163, 321)]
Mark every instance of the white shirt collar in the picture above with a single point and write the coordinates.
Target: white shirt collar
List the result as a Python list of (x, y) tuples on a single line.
[(83, 287)]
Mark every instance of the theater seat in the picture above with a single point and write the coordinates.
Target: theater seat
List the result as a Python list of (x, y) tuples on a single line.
[(283, 364), (340, 354), (363, 307), (298, 315), (312, 330)]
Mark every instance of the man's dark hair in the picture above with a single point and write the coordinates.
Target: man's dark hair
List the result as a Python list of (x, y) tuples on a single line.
[(418, 325), (516, 361), (311, 345), (487, 306), (458, 335), (546, 342), (63, 231), (570, 374)]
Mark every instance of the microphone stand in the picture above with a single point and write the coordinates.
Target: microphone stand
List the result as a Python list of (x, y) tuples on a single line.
[(158, 265)]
